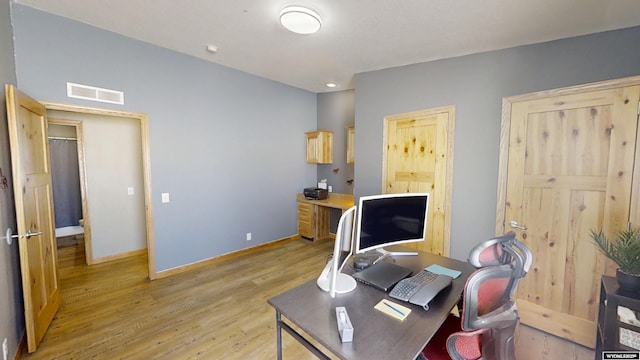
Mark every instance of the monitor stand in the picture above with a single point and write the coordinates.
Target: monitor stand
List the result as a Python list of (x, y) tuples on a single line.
[(345, 283), (385, 254)]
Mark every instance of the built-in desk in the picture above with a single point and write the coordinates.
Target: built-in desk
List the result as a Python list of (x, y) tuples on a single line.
[(314, 215)]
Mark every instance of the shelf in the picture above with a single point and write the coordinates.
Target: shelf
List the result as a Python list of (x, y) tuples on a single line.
[(613, 333)]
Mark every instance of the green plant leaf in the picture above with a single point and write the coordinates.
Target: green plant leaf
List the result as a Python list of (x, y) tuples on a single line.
[(624, 249)]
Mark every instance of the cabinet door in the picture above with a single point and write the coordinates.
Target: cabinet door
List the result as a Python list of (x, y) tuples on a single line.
[(313, 142), (319, 147), (305, 215)]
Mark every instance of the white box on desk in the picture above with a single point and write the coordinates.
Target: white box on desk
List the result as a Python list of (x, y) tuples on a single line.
[(345, 328)]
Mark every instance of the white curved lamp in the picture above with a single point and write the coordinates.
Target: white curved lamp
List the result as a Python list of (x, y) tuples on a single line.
[(300, 20)]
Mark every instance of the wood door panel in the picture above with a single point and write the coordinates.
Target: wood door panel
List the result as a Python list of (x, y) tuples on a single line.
[(418, 155), (27, 124), (584, 151), (566, 215), (586, 211), (31, 136), (569, 327), (570, 166)]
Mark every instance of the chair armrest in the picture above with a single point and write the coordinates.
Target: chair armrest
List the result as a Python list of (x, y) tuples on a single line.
[(504, 316)]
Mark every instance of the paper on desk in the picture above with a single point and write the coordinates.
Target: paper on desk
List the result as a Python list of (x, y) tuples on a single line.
[(387, 307), (441, 270)]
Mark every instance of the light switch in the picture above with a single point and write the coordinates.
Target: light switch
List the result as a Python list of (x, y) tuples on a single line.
[(165, 197), (130, 190)]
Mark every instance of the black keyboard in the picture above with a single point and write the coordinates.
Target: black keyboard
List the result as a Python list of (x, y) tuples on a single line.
[(421, 288), (406, 288)]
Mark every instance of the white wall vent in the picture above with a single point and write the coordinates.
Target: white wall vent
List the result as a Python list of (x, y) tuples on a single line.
[(94, 93)]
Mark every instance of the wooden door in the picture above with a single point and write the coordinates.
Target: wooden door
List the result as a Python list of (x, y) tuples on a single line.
[(27, 123), (569, 158), (418, 157)]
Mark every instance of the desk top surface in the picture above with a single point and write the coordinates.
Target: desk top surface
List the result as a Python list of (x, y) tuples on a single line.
[(376, 335), (333, 200)]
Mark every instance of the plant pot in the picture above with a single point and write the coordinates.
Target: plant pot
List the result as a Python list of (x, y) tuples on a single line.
[(627, 281)]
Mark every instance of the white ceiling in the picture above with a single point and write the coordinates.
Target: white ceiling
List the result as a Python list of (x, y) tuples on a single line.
[(356, 35)]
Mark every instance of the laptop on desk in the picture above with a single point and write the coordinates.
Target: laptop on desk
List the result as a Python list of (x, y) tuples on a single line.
[(382, 276)]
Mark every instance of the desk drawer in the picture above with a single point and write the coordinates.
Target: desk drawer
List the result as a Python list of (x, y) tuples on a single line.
[(305, 223)]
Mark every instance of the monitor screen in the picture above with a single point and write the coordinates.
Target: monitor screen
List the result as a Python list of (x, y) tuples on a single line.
[(391, 219)]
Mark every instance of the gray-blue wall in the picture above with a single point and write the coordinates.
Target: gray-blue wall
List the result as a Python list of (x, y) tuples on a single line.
[(11, 308), (476, 84), (335, 112), (229, 147)]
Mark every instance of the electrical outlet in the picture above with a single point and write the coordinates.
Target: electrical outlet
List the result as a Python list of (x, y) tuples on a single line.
[(248, 236), (5, 349)]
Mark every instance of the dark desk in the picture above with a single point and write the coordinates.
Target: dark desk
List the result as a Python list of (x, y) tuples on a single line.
[(376, 335)]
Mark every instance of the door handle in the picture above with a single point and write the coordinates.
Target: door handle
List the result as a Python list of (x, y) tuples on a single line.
[(514, 225), (9, 235), (30, 234)]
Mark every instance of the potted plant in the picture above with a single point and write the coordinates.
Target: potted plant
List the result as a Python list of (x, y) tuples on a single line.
[(624, 250)]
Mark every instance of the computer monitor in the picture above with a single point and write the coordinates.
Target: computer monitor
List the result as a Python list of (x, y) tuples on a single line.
[(332, 279), (391, 219)]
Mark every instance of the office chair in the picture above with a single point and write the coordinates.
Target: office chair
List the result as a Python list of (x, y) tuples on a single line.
[(489, 313)]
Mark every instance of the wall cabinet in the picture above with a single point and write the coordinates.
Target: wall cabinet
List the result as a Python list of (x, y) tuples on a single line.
[(618, 325), (351, 134), (319, 147)]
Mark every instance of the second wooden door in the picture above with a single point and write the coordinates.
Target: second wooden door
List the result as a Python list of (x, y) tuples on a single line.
[(569, 162), (418, 157)]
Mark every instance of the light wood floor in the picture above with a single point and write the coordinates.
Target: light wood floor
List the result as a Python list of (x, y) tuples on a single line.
[(112, 311)]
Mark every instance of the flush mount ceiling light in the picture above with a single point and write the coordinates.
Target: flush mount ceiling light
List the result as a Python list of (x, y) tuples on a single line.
[(300, 20)]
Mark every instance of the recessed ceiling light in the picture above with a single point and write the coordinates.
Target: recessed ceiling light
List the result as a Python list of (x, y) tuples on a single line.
[(331, 85), (300, 20)]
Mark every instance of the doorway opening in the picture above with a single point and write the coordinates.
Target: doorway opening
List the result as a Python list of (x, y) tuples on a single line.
[(102, 239), (66, 153)]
